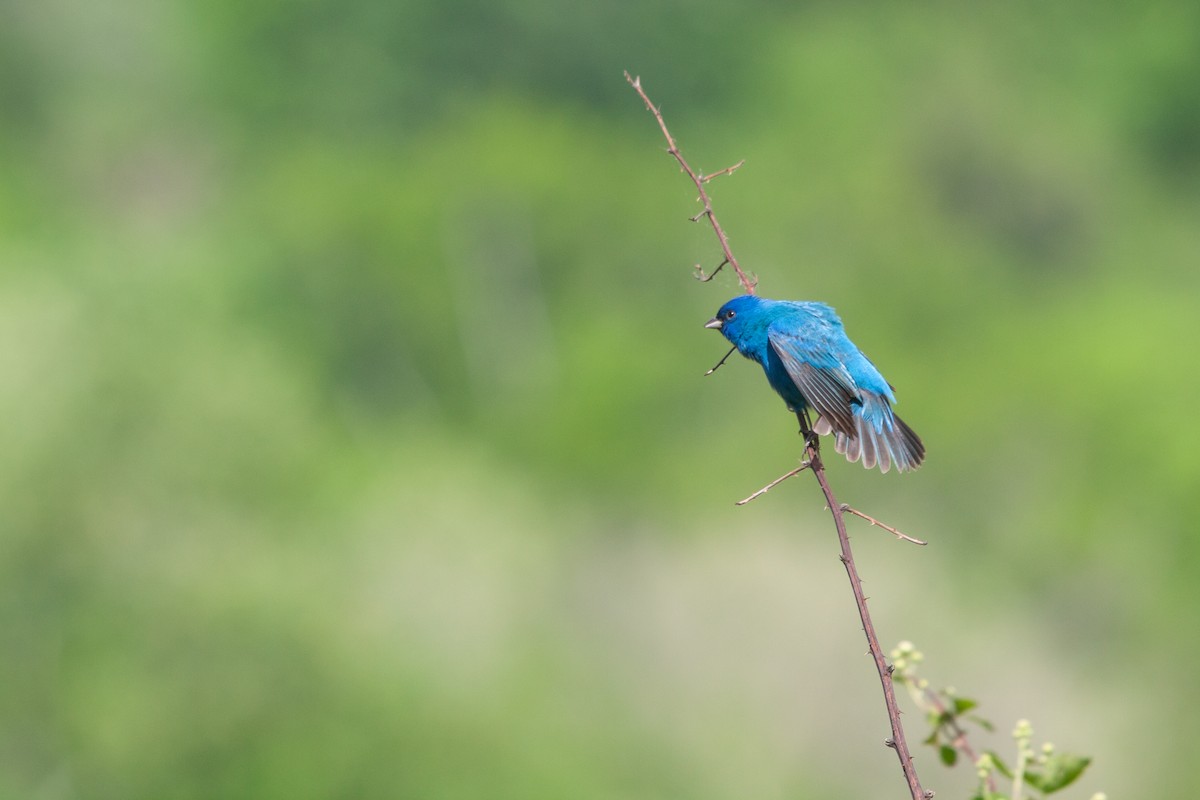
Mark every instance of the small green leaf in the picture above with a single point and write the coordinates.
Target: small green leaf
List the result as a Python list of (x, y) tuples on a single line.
[(1059, 771), (962, 704), (949, 755), (1000, 765), (983, 723), (933, 738)]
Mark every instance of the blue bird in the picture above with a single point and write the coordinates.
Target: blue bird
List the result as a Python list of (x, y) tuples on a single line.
[(811, 363)]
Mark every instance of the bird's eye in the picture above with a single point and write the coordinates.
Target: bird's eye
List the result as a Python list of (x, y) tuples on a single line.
[(730, 314)]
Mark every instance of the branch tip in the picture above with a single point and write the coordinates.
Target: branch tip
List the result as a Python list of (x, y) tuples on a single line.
[(748, 284), (847, 509)]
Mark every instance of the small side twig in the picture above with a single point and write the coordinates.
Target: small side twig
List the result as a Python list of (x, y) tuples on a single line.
[(727, 171), (718, 365), (773, 483), (846, 508), (705, 277), (747, 282)]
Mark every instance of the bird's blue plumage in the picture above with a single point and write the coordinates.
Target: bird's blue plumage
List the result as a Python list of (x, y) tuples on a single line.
[(812, 364)]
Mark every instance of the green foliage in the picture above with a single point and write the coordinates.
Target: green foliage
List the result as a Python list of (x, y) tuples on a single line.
[(1045, 770)]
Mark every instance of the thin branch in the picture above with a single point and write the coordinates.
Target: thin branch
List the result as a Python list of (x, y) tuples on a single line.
[(705, 278), (718, 365), (812, 462), (719, 173), (846, 508), (773, 484), (897, 741), (747, 282)]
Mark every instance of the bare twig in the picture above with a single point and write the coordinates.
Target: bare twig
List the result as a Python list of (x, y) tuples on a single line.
[(718, 365), (813, 462), (719, 173), (846, 508), (706, 277), (773, 484), (747, 282)]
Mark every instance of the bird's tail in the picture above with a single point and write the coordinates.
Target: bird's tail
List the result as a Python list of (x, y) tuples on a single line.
[(879, 438)]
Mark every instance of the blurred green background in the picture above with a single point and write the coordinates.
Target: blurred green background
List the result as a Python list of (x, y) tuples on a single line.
[(355, 437)]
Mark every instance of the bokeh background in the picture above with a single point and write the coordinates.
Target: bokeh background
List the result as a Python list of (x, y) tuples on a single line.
[(355, 441)]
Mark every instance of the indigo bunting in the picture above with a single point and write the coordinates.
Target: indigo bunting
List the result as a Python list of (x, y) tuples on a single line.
[(811, 363)]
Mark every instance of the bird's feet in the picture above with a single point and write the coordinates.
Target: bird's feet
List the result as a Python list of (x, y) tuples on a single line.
[(811, 440)]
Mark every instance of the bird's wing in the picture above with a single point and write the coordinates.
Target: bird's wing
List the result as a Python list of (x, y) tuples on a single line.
[(819, 375)]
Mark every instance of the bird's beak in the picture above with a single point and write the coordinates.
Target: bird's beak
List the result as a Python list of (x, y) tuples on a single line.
[(714, 323)]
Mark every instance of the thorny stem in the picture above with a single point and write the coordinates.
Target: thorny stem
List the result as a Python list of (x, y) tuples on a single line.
[(897, 740), (672, 148)]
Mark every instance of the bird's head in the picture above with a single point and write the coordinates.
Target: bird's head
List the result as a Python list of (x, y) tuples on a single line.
[(735, 317)]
